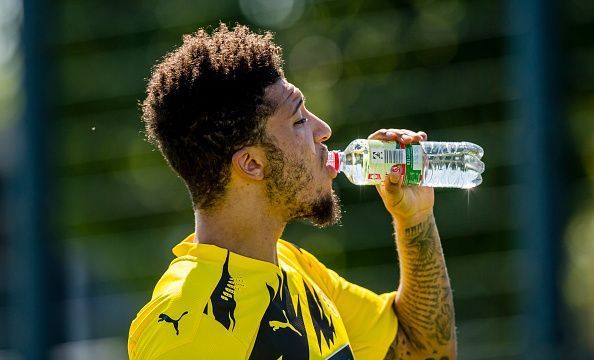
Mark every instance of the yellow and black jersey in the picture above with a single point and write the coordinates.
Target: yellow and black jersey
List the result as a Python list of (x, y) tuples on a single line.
[(214, 304)]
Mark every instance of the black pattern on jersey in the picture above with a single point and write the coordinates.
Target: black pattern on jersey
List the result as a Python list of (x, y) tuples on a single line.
[(322, 322), (222, 300), (281, 332), (344, 353)]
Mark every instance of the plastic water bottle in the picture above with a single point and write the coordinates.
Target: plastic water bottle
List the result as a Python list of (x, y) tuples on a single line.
[(427, 163)]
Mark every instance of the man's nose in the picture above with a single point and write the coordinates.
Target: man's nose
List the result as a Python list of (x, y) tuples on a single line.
[(322, 131)]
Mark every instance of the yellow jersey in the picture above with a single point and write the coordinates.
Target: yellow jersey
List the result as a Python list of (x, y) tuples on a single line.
[(215, 304)]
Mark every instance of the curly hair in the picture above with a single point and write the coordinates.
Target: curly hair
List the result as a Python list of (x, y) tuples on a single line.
[(205, 100)]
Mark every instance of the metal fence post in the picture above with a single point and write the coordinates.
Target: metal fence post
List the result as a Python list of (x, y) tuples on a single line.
[(35, 323), (536, 74)]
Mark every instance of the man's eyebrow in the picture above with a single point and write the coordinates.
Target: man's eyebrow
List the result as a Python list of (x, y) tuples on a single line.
[(298, 106)]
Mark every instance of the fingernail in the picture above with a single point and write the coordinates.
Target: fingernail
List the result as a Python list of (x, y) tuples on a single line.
[(395, 179), (390, 133)]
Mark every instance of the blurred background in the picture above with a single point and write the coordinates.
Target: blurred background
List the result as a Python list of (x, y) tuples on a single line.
[(90, 211)]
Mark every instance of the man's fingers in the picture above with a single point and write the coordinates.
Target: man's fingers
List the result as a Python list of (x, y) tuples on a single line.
[(379, 135), (393, 189), (401, 135), (395, 179), (409, 136)]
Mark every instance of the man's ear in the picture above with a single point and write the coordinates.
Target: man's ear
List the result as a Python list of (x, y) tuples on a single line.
[(249, 162)]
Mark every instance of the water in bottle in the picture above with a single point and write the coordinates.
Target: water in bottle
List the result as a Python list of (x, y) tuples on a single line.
[(427, 163)]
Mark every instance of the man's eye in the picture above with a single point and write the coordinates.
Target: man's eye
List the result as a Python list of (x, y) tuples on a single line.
[(300, 121)]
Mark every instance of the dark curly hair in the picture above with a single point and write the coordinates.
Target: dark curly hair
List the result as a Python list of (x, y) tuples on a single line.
[(205, 100)]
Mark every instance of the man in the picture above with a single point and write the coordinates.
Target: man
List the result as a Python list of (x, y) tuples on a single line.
[(252, 156)]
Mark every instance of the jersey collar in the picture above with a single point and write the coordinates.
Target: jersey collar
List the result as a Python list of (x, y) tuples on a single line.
[(188, 248)]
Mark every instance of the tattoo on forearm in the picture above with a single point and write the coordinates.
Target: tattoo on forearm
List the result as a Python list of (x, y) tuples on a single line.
[(412, 336), (443, 324), (426, 310)]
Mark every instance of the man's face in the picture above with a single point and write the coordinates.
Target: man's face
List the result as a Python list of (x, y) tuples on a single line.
[(297, 176)]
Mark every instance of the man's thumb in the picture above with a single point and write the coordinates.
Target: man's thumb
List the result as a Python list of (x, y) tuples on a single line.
[(393, 187)]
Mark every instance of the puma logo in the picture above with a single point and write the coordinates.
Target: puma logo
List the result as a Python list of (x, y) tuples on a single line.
[(275, 325), (166, 318)]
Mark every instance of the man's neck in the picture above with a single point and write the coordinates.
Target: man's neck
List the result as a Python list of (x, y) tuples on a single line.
[(249, 231)]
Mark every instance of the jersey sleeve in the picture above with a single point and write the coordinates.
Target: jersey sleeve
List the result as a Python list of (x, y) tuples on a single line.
[(369, 318)]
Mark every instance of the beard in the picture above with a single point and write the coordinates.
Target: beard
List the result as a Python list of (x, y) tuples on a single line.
[(289, 185)]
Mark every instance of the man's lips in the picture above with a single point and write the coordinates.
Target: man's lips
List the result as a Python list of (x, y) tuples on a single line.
[(330, 168)]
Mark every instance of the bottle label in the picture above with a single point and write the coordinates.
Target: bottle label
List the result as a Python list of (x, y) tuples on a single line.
[(387, 157), (414, 165)]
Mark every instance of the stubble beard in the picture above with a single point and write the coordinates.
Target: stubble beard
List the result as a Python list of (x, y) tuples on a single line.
[(289, 185)]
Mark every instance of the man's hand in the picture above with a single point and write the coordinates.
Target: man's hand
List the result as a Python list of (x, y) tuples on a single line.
[(405, 203)]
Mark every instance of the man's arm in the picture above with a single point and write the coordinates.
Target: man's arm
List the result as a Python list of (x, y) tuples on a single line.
[(424, 303)]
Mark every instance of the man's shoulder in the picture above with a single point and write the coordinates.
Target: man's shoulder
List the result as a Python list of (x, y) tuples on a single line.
[(295, 255), (173, 316), (172, 327), (187, 277), (285, 247), (306, 264)]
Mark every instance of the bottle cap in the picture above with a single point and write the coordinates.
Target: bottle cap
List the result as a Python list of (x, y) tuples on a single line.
[(333, 160)]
